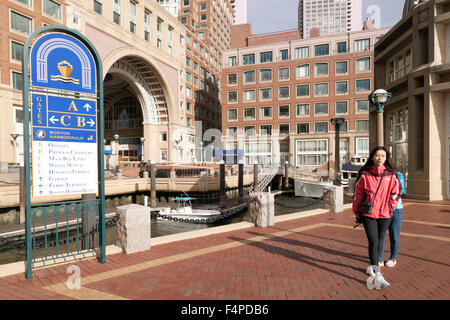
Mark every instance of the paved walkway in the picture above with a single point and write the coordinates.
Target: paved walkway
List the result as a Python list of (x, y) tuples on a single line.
[(316, 257)]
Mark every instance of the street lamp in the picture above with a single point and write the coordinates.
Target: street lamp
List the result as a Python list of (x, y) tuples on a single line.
[(14, 136), (337, 122), (116, 151), (379, 98), (142, 148)]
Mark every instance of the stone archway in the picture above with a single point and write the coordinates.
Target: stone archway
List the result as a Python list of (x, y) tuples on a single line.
[(131, 84)]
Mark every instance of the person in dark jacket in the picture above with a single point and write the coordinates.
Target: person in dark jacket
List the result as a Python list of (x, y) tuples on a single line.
[(377, 183)]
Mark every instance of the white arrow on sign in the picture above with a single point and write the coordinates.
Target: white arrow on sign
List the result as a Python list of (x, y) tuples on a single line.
[(91, 122), (87, 106), (53, 119)]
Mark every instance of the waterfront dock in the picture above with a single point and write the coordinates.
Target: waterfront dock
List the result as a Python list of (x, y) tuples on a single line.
[(309, 255)]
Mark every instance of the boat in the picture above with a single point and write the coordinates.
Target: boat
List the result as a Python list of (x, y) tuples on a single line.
[(185, 211)]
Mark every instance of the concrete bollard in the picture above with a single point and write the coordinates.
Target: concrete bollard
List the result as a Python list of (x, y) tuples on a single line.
[(133, 228), (145, 175), (119, 174), (262, 210), (351, 185), (334, 198)]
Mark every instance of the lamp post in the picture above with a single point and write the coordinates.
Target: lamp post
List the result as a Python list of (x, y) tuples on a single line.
[(337, 122), (116, 151), (142, 148), (14, 136), (379, 98)]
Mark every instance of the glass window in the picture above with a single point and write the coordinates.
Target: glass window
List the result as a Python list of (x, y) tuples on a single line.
[(27, 2), (322, 50), (303, 109), (53, 9), (283, 92), (116, 11), (232, 131), (265, 112), (283, 74), (248, 59), (302, 128), (362, 125), (232, 78), (147, 26), (249, 113), (302, 52), (232, 114), (362, 147), (303, 90), (232, 96), (362, 64), (232, 61), (283, 111), (311, 152), (341, 87), (320, 127), (341, 107), (283, 128), (265, 74), (362, 105), (265, 94), (16, 51), (249, 95), (341, 47), (320, 69), (302, 71), (362, 85), (321, 108), (21, 23), (98, 6), (17, 79), (284, 54), (265, 57), (320, 89), (265, 129), (249, 131), (133, 17), (362, 45), (341, 67), (249, 76)]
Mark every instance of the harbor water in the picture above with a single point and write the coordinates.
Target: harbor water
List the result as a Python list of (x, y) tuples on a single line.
[(10, 253)]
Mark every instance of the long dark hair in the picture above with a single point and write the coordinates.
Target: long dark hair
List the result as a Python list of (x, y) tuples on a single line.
[(388, 163)]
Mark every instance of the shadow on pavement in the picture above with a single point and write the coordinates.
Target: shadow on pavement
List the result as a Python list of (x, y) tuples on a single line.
[(301, 257)]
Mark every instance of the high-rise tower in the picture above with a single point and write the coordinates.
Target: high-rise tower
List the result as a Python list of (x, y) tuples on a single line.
[(329, 16)]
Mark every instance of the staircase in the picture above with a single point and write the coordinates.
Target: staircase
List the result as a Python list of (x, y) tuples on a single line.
[(264, 178)]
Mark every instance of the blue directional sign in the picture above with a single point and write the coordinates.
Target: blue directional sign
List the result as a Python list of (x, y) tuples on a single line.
[(63, 119), (62, 62)]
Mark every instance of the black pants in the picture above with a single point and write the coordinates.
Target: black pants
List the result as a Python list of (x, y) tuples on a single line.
[(376, 231)]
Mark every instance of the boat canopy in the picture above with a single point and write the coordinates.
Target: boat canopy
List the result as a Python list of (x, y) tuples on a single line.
[(183, 199)]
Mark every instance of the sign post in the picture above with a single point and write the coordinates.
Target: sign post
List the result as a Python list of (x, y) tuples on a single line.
[(64, 94)]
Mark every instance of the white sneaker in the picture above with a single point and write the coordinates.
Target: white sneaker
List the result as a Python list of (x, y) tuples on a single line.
[(380, 283), (371, 272), (391, 263)]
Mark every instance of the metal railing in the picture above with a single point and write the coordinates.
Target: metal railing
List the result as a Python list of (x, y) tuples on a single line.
[(52, 230)]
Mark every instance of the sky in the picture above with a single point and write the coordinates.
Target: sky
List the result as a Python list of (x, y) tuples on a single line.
[(277, 15)]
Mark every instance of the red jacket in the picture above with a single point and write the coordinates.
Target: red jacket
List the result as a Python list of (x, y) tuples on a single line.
[(387, 197)]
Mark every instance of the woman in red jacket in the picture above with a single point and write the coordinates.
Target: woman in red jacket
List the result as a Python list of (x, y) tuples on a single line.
[(377, 182)]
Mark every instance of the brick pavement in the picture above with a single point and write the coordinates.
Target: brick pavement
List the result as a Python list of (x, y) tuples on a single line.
[(317, 257)]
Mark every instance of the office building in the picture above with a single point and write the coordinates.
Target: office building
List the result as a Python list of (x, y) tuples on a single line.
[(325, 17), (412, 63), (285, 89), (143, 54)]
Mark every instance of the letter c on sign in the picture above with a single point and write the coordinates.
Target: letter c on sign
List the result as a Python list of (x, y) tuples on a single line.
[(62, 120)]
